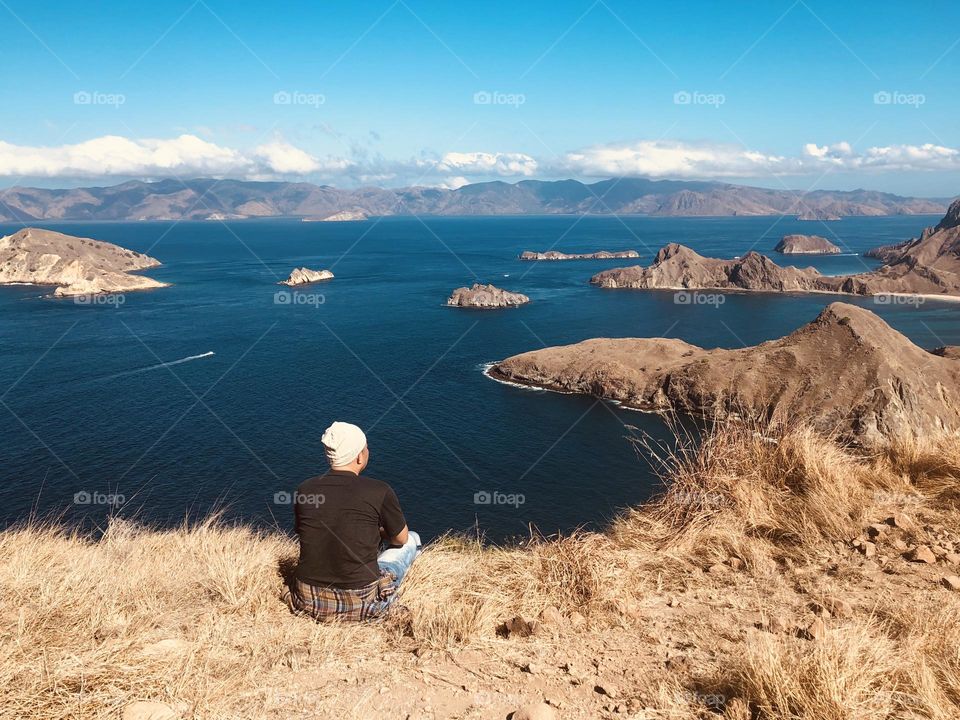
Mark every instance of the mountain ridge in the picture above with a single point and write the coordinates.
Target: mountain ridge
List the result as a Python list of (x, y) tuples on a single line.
[(202, 199)]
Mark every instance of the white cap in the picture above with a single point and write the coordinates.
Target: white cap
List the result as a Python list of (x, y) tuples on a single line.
[(343, 443)]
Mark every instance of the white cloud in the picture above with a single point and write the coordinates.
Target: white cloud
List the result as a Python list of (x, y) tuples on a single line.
[(114, 155), (186, 155), (455, 183), (285, 159), (485, 163), (833, 153), (190, 156), (671, 158), (912, 157)]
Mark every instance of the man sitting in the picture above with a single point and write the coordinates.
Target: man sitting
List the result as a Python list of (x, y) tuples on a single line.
[(341, 518)]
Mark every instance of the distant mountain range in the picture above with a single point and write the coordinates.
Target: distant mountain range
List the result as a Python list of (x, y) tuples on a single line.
[(235, 199)]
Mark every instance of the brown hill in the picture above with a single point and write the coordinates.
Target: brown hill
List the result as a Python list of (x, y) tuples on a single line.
[(847, 372), (931, 262), (77, 266)]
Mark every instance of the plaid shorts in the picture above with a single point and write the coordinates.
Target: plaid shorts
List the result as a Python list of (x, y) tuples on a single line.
[(329, 603)]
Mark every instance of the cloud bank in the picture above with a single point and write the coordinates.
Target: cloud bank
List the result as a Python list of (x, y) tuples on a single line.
[(190, 156), (668, 158)]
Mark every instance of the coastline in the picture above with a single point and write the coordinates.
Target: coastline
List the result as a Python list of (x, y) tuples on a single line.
[(749, 291), (121, 291), (486, 369)]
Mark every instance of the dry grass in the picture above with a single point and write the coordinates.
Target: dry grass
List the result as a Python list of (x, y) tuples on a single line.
[(192, 616), (842, 677)]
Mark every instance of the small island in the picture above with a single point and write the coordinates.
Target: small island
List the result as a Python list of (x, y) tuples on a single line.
[(927, 266), (677, 267), (806, 245), (599, 255), (306, 276), (77, 266), (485, 297), (342, 216)]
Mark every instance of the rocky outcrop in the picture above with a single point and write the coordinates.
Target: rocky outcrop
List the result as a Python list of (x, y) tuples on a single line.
[(342, 216), (77, 266), (928, 266), (847, 373), (889, 253), (305, 276), (486, 297), (678, 267), (806, 245), (599, 255)]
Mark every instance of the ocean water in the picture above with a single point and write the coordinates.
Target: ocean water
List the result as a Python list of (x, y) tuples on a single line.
[(213, 394)]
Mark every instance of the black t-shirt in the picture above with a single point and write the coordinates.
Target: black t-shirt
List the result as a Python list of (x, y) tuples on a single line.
[(338, 517)]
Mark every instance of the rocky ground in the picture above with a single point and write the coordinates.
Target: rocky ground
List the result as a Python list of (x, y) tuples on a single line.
[(780, 576), (668, 647)]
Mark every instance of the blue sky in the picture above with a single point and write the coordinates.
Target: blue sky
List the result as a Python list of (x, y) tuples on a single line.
[(776, 93)]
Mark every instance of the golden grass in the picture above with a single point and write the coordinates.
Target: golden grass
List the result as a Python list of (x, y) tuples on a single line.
[(193, 616)]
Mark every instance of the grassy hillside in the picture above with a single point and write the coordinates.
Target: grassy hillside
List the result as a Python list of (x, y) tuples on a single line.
[(774, 579)]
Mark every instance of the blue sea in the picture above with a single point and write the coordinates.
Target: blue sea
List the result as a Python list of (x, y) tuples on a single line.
[(212, 394)]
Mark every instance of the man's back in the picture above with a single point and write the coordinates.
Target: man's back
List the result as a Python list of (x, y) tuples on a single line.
[(338, 517)]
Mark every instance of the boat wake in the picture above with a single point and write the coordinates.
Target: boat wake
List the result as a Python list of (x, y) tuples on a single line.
[(159, 366)]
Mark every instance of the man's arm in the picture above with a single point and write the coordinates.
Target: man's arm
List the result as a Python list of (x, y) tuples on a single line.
[(391, 517), (398, 539)]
